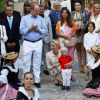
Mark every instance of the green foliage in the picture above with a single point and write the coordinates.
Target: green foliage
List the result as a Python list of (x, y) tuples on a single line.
[(2, 5)]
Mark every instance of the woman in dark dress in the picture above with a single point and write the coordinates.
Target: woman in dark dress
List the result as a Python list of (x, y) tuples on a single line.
[(93, 87)]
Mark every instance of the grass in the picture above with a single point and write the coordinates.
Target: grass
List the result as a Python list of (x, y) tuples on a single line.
[(2, 5)]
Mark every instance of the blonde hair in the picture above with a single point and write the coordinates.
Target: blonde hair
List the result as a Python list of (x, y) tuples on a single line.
[(97, 4), (64, 49), (55, 42), (56, 3)]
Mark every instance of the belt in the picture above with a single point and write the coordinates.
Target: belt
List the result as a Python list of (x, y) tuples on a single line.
[(32, 41)]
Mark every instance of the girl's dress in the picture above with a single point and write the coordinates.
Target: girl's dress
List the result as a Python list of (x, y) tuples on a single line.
[(23, 95), (93, 87), (9, 80)]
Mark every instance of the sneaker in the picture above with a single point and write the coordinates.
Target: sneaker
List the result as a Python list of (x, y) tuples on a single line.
[(68, 88), (63, 88), (46, 72)]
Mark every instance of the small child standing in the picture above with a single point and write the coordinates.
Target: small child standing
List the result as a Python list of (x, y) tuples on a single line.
[(65, 61)]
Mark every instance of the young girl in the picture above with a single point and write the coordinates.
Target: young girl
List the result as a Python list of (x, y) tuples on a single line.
[(65, 61), (27, 92), (9, 77), (90, 39), (93, 87)]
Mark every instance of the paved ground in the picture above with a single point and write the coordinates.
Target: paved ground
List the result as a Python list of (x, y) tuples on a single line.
[(50, 92)]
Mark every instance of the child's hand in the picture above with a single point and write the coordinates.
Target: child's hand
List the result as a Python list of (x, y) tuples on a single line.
[(89, 51), (68, 65)]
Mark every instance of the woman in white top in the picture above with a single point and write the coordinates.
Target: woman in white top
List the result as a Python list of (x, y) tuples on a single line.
[(3, 38), (27, 92), (95, 17), (90, 39)]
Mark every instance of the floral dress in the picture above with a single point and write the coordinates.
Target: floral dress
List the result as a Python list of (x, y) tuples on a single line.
[(51, 59)]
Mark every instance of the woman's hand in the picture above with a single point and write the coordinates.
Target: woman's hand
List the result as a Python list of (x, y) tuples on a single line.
[(67, 37)]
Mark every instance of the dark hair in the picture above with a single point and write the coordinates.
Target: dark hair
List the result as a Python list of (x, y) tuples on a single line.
[(46, 7), (86, 29), (41, 5), (9, 1), (26, 4), (69, 18), (93, 24), (28, 73), (90, 0), (77, 1)]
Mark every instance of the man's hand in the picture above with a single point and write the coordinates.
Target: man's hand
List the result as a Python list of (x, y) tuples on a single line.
[(11, 45), (33, 28)]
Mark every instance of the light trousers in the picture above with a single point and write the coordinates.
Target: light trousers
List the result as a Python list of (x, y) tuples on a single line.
[(32, 56), (46, 48), (66, 76)]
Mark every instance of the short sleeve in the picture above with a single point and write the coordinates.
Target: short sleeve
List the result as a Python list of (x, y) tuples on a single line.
[(57, 26), (70, 58), (59, 59), (74, 26)]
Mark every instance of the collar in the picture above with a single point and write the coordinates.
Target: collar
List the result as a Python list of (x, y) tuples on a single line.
[(10, 17), (34, 16), (22, 89), (12, 69), (91, 32)]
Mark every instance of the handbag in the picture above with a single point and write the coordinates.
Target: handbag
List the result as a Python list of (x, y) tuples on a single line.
[(70, 43)]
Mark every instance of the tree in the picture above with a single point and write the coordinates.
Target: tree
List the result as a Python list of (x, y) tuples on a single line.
[(2, 5)]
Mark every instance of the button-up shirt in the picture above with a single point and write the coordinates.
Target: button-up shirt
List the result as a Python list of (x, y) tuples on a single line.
[(91, 39), (26, 23), (10, 19)]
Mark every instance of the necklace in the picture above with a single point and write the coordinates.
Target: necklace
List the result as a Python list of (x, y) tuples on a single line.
[(78, 16)]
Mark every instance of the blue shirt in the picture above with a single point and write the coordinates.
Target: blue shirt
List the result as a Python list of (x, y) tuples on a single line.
[(54, 17), (26, 23)]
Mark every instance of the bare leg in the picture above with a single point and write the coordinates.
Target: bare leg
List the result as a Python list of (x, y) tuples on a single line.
[(83, 52), (79, 55)]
